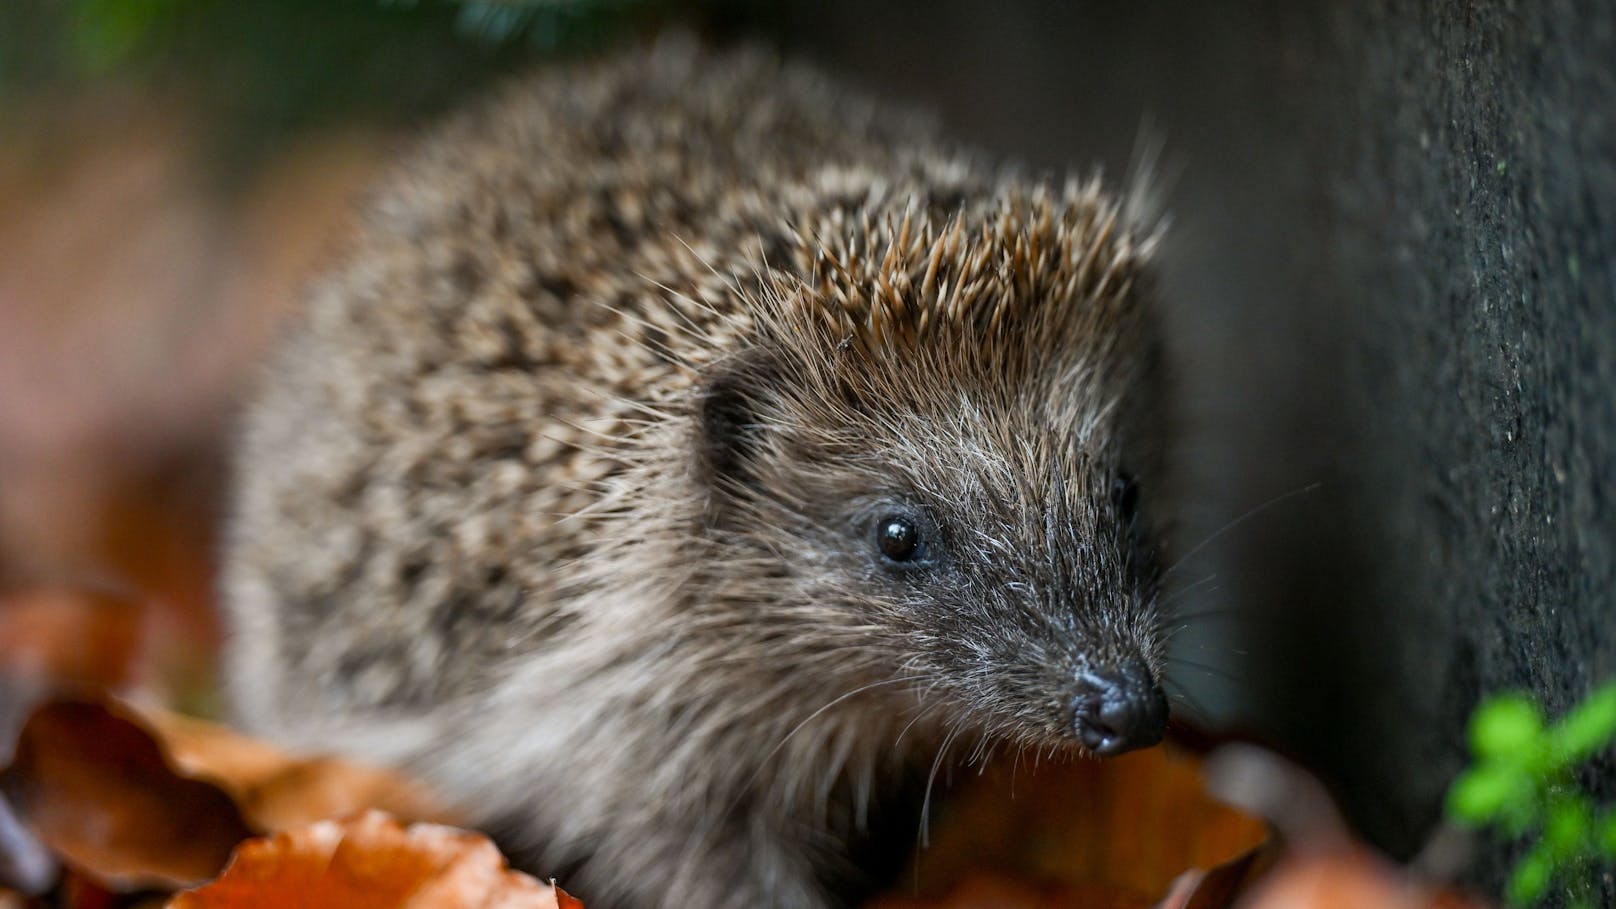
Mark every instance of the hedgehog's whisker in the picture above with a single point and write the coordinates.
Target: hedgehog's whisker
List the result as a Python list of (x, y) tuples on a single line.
[(931, 778), (1226, 611), (1207, 668), (1178, 592), (837, 700), (919, 715), (1236, 522), (1201, 714), (762, 765)]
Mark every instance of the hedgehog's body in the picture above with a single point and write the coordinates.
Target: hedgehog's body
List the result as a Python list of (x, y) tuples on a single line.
[(659, 409)]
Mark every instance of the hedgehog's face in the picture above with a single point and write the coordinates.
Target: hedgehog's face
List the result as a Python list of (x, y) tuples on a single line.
[(1028, 582), (977, 538)]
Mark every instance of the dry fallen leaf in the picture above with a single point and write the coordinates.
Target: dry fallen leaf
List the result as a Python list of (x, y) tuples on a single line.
[(1221, 887), (1119, 832), (136, 801), (374, 862), (96, 788), (1349, 879), (1323, 865), (277, 791), (70, 637), (990, 891), (1216, 888)]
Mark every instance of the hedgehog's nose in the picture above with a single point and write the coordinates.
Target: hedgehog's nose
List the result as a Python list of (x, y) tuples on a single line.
[(1119, 709)]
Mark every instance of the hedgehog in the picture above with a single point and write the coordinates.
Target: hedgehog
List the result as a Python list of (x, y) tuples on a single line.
[(686, 458)]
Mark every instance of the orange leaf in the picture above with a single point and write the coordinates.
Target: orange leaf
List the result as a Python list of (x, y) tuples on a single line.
[(1120, 831), (1348, 879), (372, 861), (161, 800), (990, 891), (98, 791), (1221, 886), (277, 791), (70, 637)]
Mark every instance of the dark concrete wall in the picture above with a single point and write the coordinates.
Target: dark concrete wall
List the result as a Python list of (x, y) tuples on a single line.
[(1467, 221), (1390, 284)]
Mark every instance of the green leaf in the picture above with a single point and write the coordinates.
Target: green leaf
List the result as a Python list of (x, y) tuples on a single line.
[(1587, 729), (1531, 878), (1485, 792), (1568, 825), (1522, 785), (1506, 727), (1607, 834)]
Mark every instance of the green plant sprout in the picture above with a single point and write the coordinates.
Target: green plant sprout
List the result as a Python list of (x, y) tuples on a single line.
[(1521, 783)]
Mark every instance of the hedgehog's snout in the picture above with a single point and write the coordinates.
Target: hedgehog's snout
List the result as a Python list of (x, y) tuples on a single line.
[(1119, 709)]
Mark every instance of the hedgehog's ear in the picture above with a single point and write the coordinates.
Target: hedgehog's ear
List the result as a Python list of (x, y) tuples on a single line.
[(731, 424)]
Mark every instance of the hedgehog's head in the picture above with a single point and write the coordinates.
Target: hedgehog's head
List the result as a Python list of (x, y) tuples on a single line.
[(923, 454)]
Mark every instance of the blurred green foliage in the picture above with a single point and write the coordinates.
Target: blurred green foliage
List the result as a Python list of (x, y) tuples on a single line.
[(1522, 783), (267, 69), (551, 26)]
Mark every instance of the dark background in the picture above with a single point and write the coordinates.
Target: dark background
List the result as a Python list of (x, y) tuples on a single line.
[(1389, 287)]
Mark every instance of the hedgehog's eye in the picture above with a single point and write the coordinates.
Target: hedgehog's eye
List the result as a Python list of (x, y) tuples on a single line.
[(899, 539), (1125, 493)]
